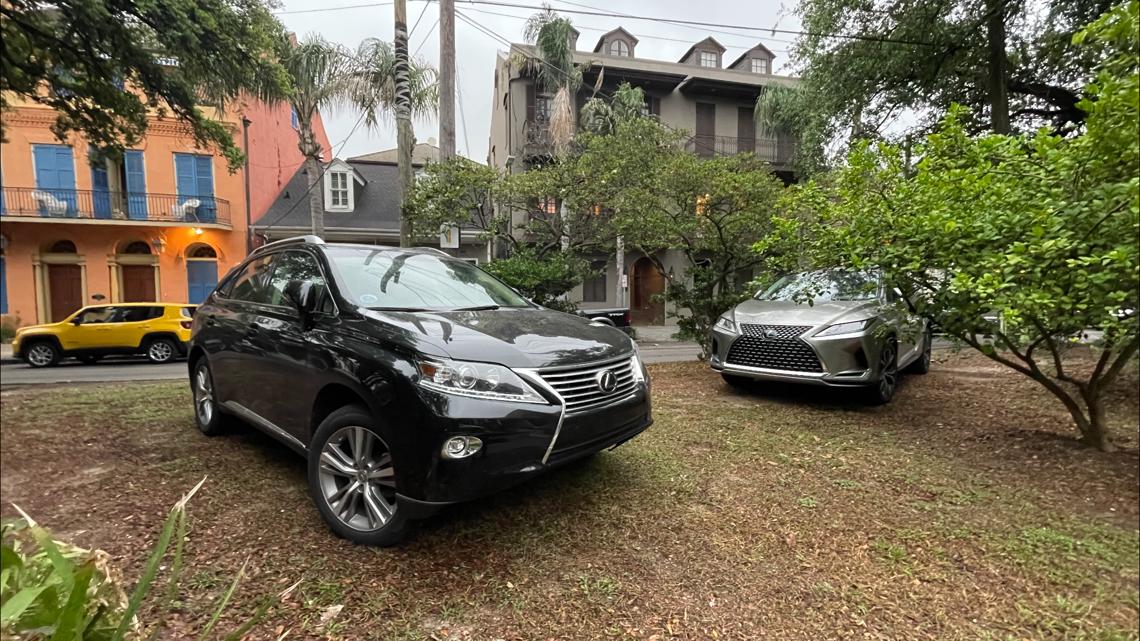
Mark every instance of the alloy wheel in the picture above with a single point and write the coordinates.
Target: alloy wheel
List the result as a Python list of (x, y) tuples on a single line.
[(160, 351), (889, 368), (41, 355), (357, 478), (204, 395), (927, 347)]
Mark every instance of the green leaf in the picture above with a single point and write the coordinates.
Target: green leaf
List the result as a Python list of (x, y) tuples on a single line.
[(69, 626), (18, 602)]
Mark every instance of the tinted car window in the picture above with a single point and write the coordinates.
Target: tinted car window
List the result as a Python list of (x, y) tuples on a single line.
[(291, 266), (134, 314), (251, 284), (188, 312), (392, 279), (96, 315)]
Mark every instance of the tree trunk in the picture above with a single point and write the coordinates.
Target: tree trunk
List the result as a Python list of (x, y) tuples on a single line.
[(999, 97), (316, 204), (1094, 430)]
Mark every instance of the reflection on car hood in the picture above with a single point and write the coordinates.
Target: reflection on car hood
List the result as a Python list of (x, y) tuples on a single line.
[(776, 312), (529, 337)]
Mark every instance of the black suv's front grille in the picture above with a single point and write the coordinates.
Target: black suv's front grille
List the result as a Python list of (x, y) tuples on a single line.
[(773, 347)]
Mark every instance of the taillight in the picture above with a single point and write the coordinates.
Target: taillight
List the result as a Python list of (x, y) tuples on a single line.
[(186, 324)]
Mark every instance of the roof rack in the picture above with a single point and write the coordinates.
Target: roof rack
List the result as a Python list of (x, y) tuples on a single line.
[(308, 239)]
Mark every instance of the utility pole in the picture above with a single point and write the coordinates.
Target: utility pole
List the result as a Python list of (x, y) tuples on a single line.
[(999, 96), (245, 123), (405, 139), (446, 79)]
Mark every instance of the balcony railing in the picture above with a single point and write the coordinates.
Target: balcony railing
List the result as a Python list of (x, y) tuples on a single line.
[(78, 204), (772, 150), (536, 134)]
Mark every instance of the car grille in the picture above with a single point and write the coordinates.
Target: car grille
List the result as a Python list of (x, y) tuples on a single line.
[(579, 386), (784, 351)]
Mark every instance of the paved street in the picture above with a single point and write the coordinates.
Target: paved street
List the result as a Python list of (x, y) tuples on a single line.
[(16, 373)]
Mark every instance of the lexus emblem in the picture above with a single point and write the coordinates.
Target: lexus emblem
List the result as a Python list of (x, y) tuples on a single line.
[(607, 381), (771, 333)]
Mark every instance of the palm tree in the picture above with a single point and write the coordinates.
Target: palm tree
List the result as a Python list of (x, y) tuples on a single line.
[(555, 71), (326, 76)]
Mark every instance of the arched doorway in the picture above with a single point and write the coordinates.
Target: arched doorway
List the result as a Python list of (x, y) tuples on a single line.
[(62, 280), (138, 272), (201, 272), (648, 284)]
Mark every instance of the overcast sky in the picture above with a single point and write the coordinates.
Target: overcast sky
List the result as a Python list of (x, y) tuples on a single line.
[(475, 51)]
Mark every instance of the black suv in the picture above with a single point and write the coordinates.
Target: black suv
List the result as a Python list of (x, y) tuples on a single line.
[(408, 379)]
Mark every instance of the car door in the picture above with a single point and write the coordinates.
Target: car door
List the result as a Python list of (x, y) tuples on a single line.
[(228, 339), (907, 325), (89, 329), (130, 325), (289, 352)]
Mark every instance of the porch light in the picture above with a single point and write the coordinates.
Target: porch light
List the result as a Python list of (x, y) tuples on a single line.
[(197, 231), (159, 243)]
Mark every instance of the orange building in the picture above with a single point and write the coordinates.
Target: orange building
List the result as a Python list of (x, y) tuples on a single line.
[(164, 223)]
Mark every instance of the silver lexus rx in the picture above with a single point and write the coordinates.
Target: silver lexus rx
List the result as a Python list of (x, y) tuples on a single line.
[(837, 328)]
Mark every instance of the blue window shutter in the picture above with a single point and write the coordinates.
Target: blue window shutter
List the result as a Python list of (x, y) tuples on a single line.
[(201, 278), (136, 184), (205, 174), (55, 174), (101, 191), (3, 288), (184, 176)]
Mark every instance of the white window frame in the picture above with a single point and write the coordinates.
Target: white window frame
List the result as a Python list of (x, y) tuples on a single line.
[(348, 187), (711, 58), (760, 66), (619, 48)]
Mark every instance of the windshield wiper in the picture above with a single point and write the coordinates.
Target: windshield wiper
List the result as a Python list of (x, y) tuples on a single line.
[(476, 308), (401, 309)]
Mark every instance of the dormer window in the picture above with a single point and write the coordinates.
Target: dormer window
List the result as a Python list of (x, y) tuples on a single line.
[(707, 59), (760, 65), (619, 48), (338, 191)]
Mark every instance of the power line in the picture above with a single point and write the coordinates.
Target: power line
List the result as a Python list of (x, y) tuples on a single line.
[(323, 9), (462, 118), (421, 17), (694, 28), (426, 36)]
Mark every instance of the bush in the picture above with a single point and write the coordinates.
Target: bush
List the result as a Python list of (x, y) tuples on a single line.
[(8, 327), (53, 590), (542, 279)]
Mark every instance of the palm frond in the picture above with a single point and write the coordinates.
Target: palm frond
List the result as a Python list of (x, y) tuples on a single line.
[(550, 34), (375, 82)]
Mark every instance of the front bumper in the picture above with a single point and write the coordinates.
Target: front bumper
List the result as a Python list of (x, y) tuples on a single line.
[(844, 360), (516, 437)]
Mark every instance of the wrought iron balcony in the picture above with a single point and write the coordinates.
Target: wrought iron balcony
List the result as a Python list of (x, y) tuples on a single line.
[(82, 205), (772, 150), (537, 138)]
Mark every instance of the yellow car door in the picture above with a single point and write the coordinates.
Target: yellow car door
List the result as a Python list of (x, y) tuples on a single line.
[(89, 328), (128, 326)]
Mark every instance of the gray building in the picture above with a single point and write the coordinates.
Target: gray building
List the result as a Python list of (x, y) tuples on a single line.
[(698, 93), (361, 199)]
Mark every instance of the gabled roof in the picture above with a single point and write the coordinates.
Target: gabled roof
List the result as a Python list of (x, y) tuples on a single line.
[(339, 165), (377, 200), (421, 154), (759, 47), (602, 39), (719, 47)]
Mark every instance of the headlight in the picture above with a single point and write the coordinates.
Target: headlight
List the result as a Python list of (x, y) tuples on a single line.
[(477, 380), (639, 374), (725, 323), (846, 328)]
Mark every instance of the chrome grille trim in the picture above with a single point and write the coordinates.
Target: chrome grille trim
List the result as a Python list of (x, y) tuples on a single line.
[(576, 385)]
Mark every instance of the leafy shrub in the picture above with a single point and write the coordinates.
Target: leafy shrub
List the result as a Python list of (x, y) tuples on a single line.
[(54, 590), (8, 328), (543, 279)]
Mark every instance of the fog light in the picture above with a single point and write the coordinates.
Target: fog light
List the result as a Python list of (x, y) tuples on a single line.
[(458, 447)]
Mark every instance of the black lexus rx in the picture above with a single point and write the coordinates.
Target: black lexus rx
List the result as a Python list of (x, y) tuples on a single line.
[(407, 378)]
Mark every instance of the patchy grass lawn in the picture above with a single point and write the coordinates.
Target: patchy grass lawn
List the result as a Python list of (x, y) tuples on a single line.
[(961, 511)]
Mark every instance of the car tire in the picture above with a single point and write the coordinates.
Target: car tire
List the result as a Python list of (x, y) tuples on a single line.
[(921, 365), (352, 479), (42, 353), (90, 360), (884, 388), (738, 382), (161, 350), (207, 413)]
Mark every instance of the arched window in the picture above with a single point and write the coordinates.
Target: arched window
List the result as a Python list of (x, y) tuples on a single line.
[(619, 48), (136, 247), (63, 247), (201, 251)]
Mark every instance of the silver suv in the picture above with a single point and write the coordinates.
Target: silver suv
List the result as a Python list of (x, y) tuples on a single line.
[(835, 327)]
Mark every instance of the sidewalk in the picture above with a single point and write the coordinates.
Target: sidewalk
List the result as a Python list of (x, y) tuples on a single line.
[(656, 333), (6, 353), (658, 345)]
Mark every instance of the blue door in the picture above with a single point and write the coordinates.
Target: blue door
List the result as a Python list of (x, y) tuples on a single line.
[(55, 180), (101, 191), (136, 185), (195, 178), (3, 288), (201, 278)]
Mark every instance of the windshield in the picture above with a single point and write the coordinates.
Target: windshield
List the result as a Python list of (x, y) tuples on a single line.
[(390, 279), (823, 286)]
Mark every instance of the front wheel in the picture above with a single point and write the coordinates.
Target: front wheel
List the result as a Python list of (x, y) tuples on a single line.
[(42, 354), (883, 391), (161, 350), (352, 479)]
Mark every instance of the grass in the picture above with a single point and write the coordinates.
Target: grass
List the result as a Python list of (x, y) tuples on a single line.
[(964, 510)]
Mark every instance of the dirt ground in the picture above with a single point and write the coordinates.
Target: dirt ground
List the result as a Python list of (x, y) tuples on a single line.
[(963, 510)]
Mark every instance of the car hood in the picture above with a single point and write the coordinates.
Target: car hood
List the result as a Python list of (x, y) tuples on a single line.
[(515, 337), (38, 329), (776, 312)]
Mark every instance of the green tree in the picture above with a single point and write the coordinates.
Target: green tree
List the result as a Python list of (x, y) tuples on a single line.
[(1038, 229), (173, 57), (920, 57), (323, 75)]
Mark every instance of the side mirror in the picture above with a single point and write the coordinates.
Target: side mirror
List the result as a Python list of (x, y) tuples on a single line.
[(77, 321), (302, 295)]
